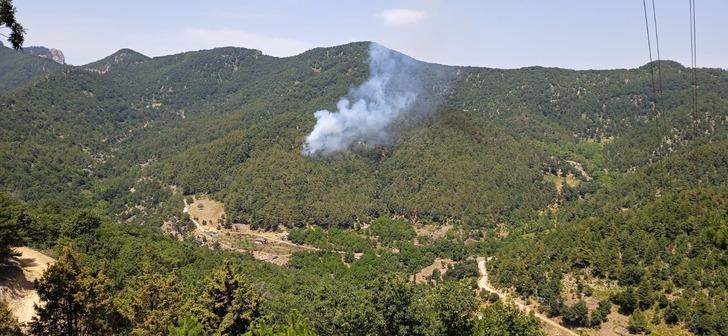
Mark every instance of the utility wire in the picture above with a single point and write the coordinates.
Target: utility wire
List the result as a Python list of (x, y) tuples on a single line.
[(649, 48), (659, 122), (657, 44), (693, 58)]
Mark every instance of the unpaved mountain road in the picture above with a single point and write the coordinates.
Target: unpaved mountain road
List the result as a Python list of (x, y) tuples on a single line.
[(16, 281), (554, 328)]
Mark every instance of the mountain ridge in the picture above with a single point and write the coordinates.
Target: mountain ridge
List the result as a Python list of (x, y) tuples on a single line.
[(50, 53), (559, 174), (122, 58), (666, 62)]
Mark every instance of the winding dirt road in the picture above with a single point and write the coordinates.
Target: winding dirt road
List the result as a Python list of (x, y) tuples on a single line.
[(554, 327)]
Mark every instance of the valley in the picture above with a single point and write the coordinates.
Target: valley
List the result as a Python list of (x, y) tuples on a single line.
[(161, 179)]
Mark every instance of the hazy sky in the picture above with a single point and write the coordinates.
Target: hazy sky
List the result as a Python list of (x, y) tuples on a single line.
[(581, 34)]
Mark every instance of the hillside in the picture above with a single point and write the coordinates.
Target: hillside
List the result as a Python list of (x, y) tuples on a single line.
[(557, 173), (239, 109), (53, 54), (18, 67)]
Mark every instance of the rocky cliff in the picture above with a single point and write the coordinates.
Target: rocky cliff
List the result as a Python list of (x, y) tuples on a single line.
[(50, 53)]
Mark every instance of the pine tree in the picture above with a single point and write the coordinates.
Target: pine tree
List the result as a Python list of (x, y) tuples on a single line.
[(230, 304), (98, 314), (154, 304), (455, 305), (83, 229), (57, 288), (637, 322), (577, 315), (294, 325), (393, 301), (7, 20), (9, 325), (73, 302), (500, 319), (8, 226), (188, 326)]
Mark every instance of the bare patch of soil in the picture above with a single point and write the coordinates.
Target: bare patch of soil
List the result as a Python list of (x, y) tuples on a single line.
[(206, 211), (270, 246), (16, 281), (432, 231), (441, 265)]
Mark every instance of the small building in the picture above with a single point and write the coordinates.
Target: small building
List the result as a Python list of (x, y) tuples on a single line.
[(260, 241)]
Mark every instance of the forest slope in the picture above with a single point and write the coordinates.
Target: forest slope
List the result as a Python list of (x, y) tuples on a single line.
[(131, 135)]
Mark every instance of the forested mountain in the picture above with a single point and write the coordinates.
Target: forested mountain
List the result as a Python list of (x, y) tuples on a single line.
[(17, 68), (557, 173), (52, 53)]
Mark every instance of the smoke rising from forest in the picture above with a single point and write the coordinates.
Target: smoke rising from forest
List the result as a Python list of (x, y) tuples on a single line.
[(366, 114)]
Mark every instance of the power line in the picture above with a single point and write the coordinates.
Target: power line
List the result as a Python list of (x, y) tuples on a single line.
[(659, 122), (693, 58), (657, 44), (649, 48)]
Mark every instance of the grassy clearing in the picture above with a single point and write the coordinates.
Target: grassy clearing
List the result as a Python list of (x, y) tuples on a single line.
[(206, 211)]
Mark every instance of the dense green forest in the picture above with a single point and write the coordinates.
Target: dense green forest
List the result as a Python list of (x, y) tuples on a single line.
[(115, 278), (96, 158)]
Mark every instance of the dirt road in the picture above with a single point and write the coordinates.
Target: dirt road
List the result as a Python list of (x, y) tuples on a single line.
[(553, 327), (16, 281)]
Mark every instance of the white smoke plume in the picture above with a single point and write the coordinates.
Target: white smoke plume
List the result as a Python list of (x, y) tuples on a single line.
[(367, 113)]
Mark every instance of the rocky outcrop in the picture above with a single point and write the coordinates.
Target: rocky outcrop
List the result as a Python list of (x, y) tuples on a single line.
[(53, 54), (57, 55)]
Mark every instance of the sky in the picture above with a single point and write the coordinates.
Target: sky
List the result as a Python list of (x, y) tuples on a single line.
[(587, 34)]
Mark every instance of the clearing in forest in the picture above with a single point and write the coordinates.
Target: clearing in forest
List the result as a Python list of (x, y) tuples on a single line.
[(206, 211), (441, 265), (432, 231), (209, 217)]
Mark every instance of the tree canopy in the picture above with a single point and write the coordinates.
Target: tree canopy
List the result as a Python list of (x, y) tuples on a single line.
[(7, 20)]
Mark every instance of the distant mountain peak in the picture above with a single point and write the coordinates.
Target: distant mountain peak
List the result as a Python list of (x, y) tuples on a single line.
[(50, 53), (121, 58), (663, 63)]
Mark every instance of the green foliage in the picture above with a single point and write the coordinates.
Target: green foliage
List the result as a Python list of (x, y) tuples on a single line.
[(7, 20), (73, 301), (637, 323), (649, 244), (398, 312), (188, 326), (294, 325), (152, 303), (332, 239), (156, 281), (390, 231), (9, 217), (493, 297), (128, 136), (229, 304), (19, 68), (599, 315), (463, 270), (82, 228), (506, 320), (627, 300), (455, 305), (576, 315), (9, 325)]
